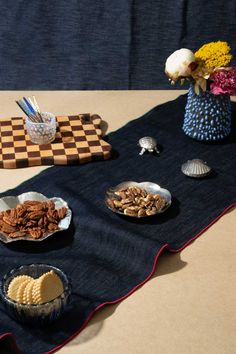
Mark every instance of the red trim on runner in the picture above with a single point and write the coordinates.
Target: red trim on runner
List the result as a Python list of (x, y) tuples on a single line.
[(9, 334), (203, 230)]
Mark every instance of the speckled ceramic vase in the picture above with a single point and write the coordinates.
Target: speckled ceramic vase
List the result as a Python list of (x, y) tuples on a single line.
[(207, 116)]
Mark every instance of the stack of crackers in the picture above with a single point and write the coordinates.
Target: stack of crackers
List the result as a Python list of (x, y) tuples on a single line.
[(26, 290)]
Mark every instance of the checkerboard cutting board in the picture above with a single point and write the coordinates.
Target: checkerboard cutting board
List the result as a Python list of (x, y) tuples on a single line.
[(78, 140)]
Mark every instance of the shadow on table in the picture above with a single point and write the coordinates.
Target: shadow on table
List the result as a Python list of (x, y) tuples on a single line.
[(95, 325), (169, 263), (104, 127)]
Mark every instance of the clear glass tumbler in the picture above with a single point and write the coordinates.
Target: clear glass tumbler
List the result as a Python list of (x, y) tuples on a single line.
[(42, 133)]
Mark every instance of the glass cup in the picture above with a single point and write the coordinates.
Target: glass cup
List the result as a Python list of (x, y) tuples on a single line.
[(42, 132)]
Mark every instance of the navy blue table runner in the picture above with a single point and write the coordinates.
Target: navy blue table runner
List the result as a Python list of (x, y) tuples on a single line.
[(107, 256)]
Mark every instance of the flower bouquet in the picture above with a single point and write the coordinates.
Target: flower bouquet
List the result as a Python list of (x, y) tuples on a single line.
[(212, 82)]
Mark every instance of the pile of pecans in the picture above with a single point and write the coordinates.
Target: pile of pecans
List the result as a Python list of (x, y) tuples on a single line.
[(134, 201), (32, 218)]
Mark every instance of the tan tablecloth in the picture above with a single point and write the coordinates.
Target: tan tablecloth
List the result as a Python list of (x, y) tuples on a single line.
[(188, 307)]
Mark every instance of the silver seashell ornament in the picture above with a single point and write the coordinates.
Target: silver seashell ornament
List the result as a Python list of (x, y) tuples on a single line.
[(196, 168), (149, 144)]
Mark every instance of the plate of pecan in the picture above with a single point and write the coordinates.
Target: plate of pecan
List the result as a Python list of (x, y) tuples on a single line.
[(138, 199), (33, 217)]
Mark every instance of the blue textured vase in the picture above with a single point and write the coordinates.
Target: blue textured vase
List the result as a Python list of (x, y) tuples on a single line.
[(207, 116)]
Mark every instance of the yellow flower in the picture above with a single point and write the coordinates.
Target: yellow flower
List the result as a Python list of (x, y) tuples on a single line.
[(214, 54)]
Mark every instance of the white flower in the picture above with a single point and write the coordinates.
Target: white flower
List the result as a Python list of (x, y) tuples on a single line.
[(178, 64)]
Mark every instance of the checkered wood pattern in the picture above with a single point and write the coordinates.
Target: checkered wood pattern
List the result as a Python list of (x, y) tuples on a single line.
[(78, 140)]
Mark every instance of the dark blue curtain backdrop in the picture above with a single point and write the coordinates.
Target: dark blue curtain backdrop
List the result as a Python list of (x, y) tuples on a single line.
[(103, 44)]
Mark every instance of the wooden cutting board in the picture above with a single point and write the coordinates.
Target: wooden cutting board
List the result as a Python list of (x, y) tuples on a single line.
[(78, 140)]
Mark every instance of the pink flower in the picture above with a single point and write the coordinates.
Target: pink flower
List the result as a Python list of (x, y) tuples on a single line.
[(223, 81)]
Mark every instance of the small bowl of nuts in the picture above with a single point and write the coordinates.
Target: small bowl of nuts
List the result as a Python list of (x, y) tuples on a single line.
[(36, 294), (138, 199), (32, 217)]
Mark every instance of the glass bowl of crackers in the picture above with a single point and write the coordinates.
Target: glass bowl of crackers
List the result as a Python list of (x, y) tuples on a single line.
[(138, 200), (35, 294)]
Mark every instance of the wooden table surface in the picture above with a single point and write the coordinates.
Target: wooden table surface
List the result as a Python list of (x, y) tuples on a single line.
[(188, 306)]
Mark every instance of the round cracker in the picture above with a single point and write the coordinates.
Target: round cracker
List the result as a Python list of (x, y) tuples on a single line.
[(27, 295), (14, 285), (36, 288), (48, 287), (35, 291), (20, 291)]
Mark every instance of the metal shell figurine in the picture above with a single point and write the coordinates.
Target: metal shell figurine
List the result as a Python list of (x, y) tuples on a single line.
[(196, 168), (149, 144)]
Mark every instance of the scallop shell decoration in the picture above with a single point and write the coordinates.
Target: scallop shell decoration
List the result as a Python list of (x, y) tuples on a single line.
[(196, 168)]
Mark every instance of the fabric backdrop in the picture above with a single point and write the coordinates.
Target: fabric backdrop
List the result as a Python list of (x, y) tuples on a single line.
[(103, 44)]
